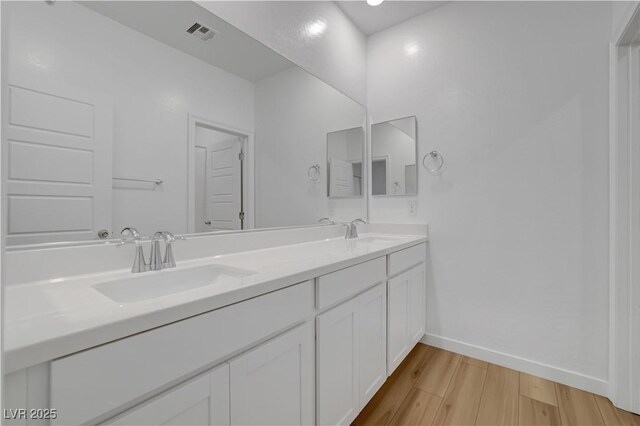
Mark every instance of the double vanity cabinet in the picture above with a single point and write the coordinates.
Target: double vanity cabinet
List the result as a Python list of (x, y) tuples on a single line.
[(311, 353)]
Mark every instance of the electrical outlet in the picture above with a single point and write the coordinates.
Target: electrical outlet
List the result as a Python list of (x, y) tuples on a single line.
[(412, 208)]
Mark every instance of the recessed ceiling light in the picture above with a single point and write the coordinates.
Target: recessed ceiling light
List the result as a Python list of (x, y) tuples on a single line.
[(374, 2), (316, 28)]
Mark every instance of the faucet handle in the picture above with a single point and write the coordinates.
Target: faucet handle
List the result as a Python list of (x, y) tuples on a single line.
[(139, 263), (129, 235), (326, 220), (168, 261), (158, 261), (155, 258)]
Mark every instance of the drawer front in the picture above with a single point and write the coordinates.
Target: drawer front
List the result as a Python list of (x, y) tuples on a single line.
[(100, 380), (405, 259), (340, 285)]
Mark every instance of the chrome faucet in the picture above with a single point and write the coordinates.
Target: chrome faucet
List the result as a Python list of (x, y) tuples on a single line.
[(156, 261), (131, 235), (352, 229)]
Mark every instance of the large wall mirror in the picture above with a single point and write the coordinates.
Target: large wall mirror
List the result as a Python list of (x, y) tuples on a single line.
[(394, 157), (180, 123)]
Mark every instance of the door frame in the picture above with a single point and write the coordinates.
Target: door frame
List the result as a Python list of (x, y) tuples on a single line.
[(206, 165), (624, 217), (248, 172)]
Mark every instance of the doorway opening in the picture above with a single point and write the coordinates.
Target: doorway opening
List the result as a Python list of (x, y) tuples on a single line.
[(379, 173), (218, 178)]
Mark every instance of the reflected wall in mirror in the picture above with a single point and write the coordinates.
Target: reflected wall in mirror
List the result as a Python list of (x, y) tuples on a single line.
[(180, 123), (393, 157), (345, 151)]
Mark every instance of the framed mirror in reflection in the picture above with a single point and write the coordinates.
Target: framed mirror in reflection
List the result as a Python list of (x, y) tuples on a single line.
[(345, 151), (394, 157), (180, 123)]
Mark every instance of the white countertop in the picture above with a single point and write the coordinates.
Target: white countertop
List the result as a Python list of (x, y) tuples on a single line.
[(48, 319)]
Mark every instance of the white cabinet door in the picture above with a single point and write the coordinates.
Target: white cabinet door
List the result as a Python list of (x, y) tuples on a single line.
[(352, 355), (273, 383), (416, 304), (201, 401), (337, 365), (406, 324), (398, 341), (372, 320)]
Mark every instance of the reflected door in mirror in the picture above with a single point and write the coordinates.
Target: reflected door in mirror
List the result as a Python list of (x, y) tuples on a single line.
[(218, 181), (345, 151)]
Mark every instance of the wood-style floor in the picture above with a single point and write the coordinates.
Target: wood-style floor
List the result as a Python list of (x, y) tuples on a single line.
[(437, 387)]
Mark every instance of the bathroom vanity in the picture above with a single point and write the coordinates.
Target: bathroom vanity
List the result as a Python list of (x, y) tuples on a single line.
[(299, 333)]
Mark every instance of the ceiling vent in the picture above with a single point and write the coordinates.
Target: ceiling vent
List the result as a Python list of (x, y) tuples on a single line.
[(201, 32)]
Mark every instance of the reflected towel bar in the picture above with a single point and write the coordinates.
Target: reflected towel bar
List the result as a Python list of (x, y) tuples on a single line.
[(156, 181)]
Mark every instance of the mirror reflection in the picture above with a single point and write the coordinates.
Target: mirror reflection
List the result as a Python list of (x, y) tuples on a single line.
[(180, 123), (345, 150), (393, 159)]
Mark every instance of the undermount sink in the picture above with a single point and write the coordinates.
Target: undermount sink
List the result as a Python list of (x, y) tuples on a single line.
[(152, 284)]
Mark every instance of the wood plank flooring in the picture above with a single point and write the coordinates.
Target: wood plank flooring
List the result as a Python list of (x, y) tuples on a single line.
[(436, 387)]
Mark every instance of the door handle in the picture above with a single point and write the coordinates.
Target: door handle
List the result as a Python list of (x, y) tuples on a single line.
[(207, 222)]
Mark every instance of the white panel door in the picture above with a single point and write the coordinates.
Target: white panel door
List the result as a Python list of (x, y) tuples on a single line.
[(372, 321), (224, 184), (341, 178), (337, 365), (59, 163), (201, 401), (398, 341), (273, 383), (416, 304)]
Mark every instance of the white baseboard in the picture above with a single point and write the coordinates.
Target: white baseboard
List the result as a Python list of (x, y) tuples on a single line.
[(566, 377)]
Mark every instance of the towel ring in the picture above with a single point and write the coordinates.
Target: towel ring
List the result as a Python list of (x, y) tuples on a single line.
[(435, 156), (314, 173)]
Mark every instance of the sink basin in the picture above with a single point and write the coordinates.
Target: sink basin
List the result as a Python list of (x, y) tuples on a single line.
[(152, 284)]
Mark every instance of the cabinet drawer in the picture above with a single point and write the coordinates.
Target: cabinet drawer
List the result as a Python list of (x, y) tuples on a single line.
[(405, 259), (98, 381), (342, 284)]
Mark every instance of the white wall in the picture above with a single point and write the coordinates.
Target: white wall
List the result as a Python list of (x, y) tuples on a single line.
[(153, 87), (337, 54), (294, 113), (515, 96), (620, 15)]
